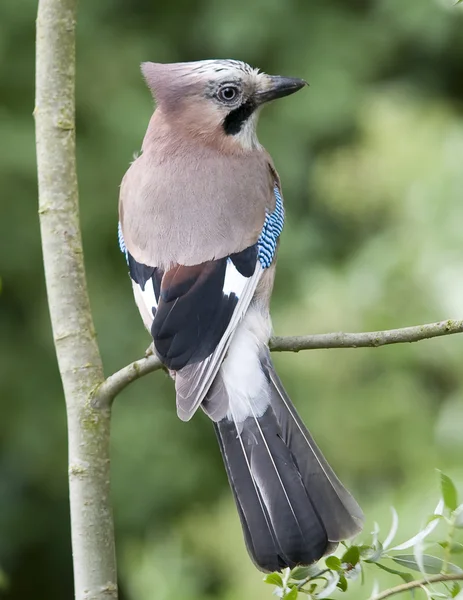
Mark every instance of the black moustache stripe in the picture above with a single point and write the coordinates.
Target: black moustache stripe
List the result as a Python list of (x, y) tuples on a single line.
[(235, 120)]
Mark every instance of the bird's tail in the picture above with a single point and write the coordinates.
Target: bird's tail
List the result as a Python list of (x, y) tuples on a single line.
[(293, 508)]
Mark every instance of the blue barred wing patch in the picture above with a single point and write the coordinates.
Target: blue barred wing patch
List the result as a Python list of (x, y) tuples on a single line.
[(267, 242), (273, 226), (122, 246)]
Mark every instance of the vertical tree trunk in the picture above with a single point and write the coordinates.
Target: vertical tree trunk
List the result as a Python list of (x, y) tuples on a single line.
[(74, 335)]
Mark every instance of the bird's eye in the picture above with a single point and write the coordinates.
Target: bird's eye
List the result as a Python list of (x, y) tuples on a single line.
[(228, 93)]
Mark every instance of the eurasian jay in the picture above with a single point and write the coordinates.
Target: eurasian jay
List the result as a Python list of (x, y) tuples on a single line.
[(201, 212)]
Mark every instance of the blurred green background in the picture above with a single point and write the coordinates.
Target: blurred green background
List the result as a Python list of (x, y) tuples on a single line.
[(371, 160)]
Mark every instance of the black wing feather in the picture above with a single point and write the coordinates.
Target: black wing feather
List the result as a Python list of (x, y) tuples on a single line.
[(193, 311), (192, 314)]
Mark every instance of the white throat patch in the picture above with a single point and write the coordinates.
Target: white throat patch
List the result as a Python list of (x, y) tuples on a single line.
[(247, 136)]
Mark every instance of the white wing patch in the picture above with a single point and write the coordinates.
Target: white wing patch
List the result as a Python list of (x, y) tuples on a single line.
[(234, 281), (149, 297), (145, 298), (146, 302)]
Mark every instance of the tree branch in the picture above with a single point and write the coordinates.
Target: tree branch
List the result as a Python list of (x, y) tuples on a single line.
[(369, 339), (118, 381), (115, 383), (405, 587), (73, 331)]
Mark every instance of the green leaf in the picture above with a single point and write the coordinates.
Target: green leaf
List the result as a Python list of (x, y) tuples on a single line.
[(333, 563), (292, 594), (407, 577), (274, 579), (431, 564), (423, 534), (351, 556), (451, 568), (434, 518), (376, 553), (331, 584), (449, 492), (300, 573), (455, 547), (365, 550), (455, 590), (342, 583)]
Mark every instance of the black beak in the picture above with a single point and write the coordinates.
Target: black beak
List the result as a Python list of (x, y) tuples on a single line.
[(280, 87)]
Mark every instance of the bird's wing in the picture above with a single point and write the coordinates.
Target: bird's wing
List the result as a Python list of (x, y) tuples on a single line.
[(193, 381), (195, 309)]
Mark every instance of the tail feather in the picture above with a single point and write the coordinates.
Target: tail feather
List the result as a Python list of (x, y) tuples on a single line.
[(339, 511), (258, 534), (293, 508)]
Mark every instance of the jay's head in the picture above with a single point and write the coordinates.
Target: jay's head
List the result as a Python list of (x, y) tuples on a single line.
[(215, 99)]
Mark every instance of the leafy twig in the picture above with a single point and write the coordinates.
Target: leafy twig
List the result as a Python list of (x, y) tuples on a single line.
[(341, 571)]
